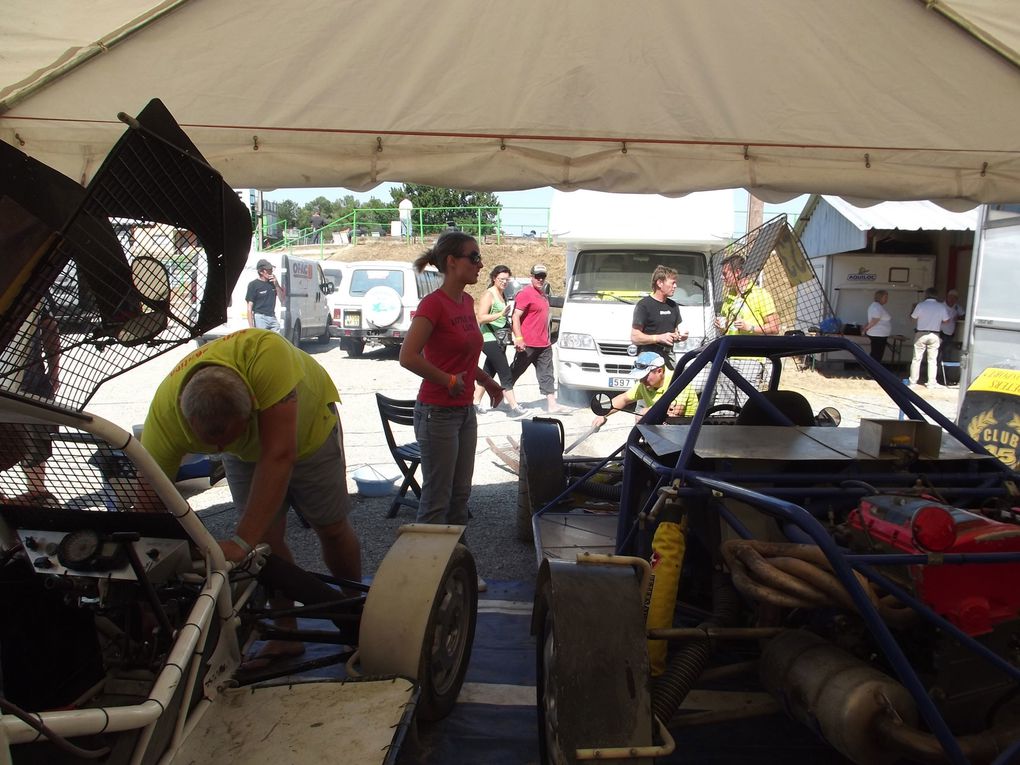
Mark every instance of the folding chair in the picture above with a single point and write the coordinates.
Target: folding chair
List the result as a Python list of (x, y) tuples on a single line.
[(407, 456)]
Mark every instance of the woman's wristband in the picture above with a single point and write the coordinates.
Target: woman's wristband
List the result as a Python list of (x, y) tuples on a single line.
[(245, 547), (518, 337), (452, 382)]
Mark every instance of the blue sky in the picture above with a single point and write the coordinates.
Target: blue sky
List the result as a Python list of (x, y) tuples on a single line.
[(517, 218)]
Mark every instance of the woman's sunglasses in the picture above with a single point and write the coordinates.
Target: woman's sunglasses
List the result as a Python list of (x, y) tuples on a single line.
[(475, 257)]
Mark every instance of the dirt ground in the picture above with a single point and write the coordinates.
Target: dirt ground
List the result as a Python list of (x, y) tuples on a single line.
[(855, 395)]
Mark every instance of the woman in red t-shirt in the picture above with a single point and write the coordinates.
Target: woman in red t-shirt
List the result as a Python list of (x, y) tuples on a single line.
[(442, 347)]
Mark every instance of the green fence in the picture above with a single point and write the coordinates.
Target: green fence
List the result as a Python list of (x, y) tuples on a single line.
[(481, 222)]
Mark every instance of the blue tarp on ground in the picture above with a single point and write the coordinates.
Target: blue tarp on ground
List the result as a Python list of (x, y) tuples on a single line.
[(495, 720)]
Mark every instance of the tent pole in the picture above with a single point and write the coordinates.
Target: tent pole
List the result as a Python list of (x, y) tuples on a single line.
[(63, 65), (976, 32)]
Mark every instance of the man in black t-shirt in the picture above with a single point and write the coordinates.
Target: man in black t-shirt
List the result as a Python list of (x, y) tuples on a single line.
[(655, 326), (261, 298), (317, 222)]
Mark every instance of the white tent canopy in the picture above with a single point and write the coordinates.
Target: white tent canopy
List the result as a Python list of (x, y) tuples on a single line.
[(871, 99)]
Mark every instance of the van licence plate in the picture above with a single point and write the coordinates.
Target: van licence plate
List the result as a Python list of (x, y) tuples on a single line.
[(620, 382)]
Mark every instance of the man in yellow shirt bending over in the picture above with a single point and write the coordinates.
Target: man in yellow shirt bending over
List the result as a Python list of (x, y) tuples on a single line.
[(269, 408)]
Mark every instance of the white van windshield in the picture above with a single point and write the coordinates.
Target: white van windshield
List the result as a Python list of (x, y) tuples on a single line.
[(625, 275)]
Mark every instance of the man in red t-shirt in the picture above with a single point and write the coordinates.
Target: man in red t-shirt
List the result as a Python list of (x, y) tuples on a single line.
[(531, 336)]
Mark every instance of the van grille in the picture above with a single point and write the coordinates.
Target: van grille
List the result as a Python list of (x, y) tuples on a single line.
[(614, 349)]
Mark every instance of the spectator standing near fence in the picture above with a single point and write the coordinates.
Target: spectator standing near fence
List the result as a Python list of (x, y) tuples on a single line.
[(406, 208), (261, 298), (442, 347), (531, 336), (656, 323), (317, 222), (492, 314)]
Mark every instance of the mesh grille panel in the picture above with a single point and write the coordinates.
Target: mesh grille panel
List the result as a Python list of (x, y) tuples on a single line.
[(771, 258), (78, 471), (140, 262)]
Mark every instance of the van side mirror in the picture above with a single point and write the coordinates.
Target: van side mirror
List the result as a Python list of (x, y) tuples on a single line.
[(327, 288), (151, 282), (828, 417)]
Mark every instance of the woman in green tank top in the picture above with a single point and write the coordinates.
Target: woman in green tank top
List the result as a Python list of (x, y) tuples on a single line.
[(492, 314)]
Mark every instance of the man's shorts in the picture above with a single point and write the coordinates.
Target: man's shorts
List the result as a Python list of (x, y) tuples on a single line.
[(317, 488)]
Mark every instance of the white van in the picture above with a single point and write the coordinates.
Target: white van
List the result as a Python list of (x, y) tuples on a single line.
[(304, 314), (605, 281)]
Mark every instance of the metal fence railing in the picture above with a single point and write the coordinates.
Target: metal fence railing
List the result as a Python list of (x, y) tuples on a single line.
[(422, 223)]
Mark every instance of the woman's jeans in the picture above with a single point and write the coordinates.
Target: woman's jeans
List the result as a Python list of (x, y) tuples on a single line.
[(446, 436)]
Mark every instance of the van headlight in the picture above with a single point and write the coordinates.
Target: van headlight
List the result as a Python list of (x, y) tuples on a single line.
[(575, 340)]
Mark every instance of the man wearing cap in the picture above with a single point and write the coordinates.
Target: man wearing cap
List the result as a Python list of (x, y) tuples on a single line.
[(531, 336), (261, 298), (652, 379)]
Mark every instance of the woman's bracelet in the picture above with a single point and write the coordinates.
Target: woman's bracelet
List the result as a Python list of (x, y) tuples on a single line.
[(453, 382), (518, 337)]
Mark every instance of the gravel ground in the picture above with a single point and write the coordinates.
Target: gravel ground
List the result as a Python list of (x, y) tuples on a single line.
[(491, 535)]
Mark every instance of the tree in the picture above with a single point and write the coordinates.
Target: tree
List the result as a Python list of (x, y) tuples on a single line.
[(434, 205), (288, 211)]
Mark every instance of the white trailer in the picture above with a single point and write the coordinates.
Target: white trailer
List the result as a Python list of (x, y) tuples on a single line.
[(991, 336)]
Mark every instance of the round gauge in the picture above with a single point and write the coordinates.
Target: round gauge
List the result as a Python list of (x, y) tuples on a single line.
[(78, 549)]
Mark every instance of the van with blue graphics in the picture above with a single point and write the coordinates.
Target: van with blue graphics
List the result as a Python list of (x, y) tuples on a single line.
[(609, 271)]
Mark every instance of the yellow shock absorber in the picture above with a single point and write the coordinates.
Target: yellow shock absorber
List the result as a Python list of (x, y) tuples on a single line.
[(668, 546)]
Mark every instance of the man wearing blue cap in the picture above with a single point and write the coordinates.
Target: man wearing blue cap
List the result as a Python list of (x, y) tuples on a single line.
[(652, 379)]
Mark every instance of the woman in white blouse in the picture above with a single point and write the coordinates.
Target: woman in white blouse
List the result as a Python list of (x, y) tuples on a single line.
[(879, 325)]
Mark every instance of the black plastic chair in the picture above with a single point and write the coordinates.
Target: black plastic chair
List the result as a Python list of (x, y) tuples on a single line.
[(407, 456), (789, 402)]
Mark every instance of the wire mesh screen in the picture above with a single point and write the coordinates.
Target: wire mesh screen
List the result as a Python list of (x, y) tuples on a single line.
[(138, 263), (44, 466), (765, 284)]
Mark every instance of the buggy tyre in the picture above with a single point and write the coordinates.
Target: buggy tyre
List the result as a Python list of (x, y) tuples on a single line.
[(420, 613), (446, 649), (592, 673)]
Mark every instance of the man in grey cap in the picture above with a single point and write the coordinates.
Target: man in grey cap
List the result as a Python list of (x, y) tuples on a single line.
[(531, 336), (261, 298)]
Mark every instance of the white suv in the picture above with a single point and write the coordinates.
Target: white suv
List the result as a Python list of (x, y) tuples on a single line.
[(376, 300)]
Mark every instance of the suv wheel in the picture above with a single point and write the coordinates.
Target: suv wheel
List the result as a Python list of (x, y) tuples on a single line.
[(355, 348)]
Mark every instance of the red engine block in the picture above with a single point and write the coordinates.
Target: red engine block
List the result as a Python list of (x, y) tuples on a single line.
[(974, 596)]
